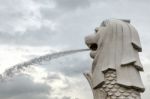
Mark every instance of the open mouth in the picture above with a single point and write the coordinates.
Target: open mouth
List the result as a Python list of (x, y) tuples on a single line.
[(93, 47)]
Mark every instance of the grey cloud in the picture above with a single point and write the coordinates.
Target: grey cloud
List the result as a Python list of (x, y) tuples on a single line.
[(72, 4), (51, 14), (65, 97), (148, 77), (23, 87), (146, 94), (17, 15), (64, 7), (42, 36), (52, 77)]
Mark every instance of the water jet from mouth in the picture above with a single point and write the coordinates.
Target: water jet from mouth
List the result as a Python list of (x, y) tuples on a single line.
[(48, 57)]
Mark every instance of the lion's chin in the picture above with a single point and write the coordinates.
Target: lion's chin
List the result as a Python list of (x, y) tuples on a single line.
[(93, 54)]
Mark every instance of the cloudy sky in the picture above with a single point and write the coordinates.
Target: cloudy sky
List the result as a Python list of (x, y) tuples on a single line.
[(29, 28)]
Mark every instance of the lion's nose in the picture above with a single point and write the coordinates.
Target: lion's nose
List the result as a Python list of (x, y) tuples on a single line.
[(91, 42)]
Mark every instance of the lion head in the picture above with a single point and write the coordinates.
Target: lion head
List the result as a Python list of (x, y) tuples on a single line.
[(115, 42)]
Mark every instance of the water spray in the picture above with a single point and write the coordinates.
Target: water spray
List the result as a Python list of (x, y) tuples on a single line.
[(38, 60)]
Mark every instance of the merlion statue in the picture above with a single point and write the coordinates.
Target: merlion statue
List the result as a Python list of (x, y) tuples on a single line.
[(116, 64)]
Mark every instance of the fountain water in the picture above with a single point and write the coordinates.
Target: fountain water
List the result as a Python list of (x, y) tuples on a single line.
[(20, 67)]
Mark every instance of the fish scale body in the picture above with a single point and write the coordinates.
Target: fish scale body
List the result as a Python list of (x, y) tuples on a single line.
[(115, 91)]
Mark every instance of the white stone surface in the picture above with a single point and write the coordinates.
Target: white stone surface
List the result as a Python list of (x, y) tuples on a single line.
[(115, 46)]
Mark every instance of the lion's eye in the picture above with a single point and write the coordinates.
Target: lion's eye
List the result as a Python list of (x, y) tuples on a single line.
[(93, 46), (96, 29)]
